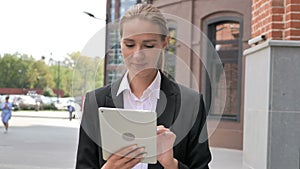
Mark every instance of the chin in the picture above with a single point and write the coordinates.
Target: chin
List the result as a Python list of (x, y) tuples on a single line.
[(144, 73)]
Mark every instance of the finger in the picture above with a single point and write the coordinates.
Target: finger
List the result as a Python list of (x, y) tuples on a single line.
[(161, 130), (165, 141), (161, 126), (121, 153), (132, 162), (168, 135), (132, 158), (135, 153), (120, 160)]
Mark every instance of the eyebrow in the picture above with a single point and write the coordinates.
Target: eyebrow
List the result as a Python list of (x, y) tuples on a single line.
[(148, 40)]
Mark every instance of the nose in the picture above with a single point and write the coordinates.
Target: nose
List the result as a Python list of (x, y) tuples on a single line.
[(138, 52)]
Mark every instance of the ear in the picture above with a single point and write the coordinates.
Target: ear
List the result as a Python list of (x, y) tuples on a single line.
[(166, 42)]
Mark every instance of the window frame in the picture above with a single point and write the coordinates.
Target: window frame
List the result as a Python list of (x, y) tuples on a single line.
[(215, 21)]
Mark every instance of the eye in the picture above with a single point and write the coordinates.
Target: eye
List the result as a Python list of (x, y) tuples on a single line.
[(149, 45), (129, 45)]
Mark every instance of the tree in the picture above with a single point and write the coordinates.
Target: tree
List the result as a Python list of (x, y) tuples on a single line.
[(39, 75), (88, 73), (78, 74), (48, 92), (13, 70), (65, 74)]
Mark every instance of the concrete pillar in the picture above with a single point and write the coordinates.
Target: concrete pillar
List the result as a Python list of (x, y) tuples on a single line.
[(272, 87), (272, 105)]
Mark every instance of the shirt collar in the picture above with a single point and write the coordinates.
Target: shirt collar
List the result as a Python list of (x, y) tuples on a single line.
[(153, 87), (124, 85)]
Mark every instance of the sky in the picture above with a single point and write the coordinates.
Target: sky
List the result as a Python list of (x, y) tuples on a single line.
[(50, 28)]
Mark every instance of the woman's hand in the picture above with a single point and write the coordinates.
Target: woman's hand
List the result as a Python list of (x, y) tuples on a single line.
[(126, 158), (165, 142)]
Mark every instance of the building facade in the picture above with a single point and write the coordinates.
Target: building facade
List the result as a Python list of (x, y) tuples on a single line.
[(262, 101), (227, 24)]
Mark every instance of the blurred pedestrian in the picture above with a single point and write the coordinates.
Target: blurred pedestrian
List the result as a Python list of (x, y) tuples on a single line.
[(6, 112), (71, 109)]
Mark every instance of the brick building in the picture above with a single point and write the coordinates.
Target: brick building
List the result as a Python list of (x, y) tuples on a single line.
[(277, 19)]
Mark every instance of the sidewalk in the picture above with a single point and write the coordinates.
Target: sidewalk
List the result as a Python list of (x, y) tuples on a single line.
[(221, 158), (39, 140), (226, 159), (54, 114)]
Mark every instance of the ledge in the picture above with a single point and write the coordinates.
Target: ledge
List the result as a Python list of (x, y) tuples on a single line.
[(269, 43)]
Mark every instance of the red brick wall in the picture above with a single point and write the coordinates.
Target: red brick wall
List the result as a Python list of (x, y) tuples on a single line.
[(13, 91), (277, 19)]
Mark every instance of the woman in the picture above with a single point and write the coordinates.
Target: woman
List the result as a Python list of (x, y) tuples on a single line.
[(6, 113), (180, 111)]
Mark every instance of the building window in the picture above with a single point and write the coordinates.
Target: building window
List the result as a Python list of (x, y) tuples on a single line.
[(225, 35), (125, 5), (113, 75), (115, 55), (170, 52), (112, 10)]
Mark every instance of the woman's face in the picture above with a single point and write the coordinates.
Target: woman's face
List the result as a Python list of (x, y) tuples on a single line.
[(141, 45)]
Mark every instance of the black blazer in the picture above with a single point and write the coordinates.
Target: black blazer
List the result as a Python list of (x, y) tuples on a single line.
[(179, 108)]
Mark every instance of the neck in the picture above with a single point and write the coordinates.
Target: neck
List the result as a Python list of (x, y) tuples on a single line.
[(139, 84)]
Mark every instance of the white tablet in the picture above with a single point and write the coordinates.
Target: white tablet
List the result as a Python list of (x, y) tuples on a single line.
[(122, 127)]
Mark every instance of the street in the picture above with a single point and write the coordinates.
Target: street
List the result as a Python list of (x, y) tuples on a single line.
[(39, 140)]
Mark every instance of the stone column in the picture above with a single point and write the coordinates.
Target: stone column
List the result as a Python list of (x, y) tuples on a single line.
[(272, 105), (272, 87)]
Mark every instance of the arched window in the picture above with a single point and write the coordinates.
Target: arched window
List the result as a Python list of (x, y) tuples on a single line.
[(225, 34)]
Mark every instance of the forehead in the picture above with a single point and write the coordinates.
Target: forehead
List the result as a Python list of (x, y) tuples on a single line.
[(138, 26)]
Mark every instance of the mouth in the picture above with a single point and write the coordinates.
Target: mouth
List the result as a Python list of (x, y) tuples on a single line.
[(139, 66)]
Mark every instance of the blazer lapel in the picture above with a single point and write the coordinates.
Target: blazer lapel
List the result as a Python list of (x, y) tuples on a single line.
[(166, 108), (167, 104), (112, 100)]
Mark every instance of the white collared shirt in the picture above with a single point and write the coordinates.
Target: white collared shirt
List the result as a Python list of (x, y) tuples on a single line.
[(148, 101)]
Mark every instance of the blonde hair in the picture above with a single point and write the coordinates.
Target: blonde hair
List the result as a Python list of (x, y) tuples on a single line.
[(147, 12)]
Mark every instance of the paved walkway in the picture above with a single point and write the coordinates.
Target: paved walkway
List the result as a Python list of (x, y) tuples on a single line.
[(39, 140), (221, 158), (226, 159), (54, 114)]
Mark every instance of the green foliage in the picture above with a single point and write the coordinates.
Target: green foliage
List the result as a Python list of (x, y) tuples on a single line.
[(14, 69), (88, 73), (77, 74), (39, 75), (48, 92)]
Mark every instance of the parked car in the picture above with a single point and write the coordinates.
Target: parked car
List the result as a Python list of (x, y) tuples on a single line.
[(43, 102), (24, 102), (62, 103)]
